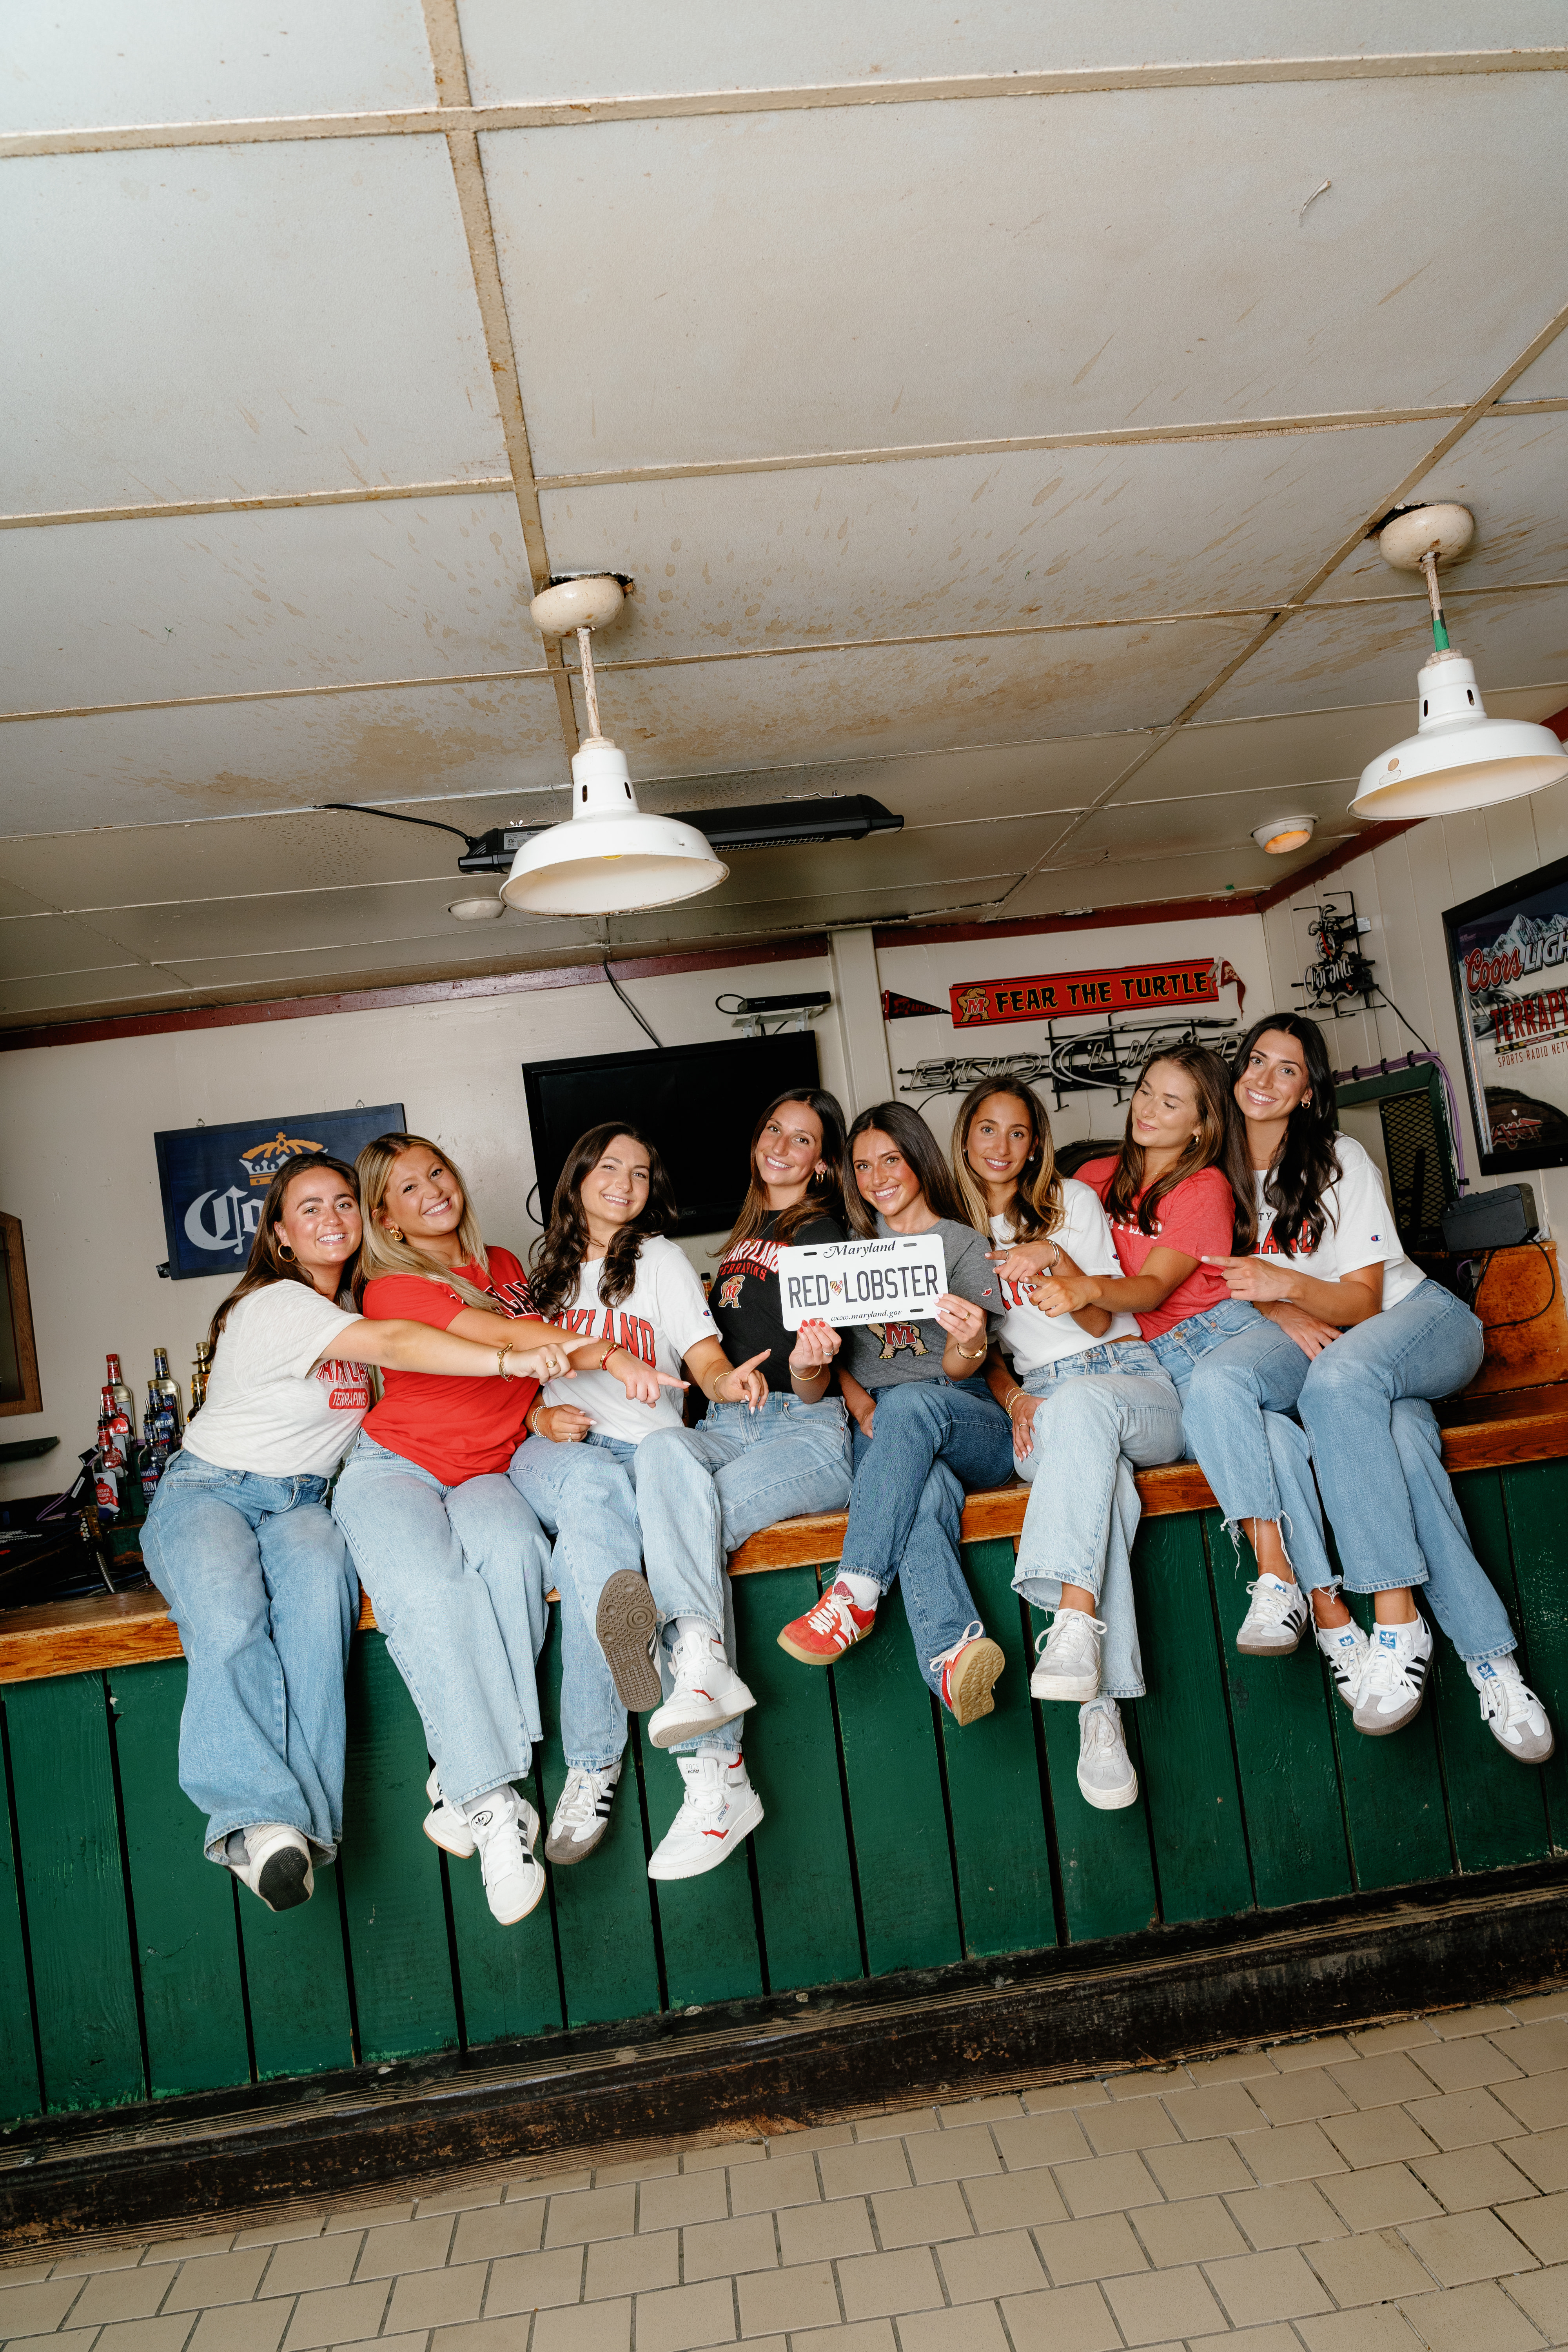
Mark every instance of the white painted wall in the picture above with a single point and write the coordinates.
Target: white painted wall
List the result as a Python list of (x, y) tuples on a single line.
[(1404, 888), (76, 1138)]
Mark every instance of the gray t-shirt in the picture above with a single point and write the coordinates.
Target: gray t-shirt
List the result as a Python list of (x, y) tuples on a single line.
[(878, 1354)]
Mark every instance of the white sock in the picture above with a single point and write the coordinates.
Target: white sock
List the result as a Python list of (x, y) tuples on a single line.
[(1286, 1583), (863, 1591), (698, 1625), (491, 1801)]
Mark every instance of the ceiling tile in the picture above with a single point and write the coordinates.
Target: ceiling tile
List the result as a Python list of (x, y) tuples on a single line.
[(811, 707), (516, 56), (508, 945), (132, 866), (1080, 889), (131, 612), (1000, 780), (960, 543), (151, 767), (16, 901), (1131, 829), (813, 871), (784, 282), (172, 932), (34, 945), (240, 322), (763, 918), (1368, 653), (1513, 473), (69, 996)]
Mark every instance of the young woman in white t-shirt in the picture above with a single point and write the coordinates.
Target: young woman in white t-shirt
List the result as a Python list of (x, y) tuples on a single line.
[(1373, 1343), (241, 1544), (1088, 1401), (604, 1268)]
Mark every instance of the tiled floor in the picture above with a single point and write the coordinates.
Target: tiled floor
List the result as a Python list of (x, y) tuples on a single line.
[(1374, 2193)]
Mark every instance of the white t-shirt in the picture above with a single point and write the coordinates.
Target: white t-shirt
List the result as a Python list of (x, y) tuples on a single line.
[(664, 1314), (271, 1407), (1359, 1229), (1033, 1339)]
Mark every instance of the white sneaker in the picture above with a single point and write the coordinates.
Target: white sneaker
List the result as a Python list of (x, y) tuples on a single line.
[(1346, 1648), (443, 1823), (1105, 1772), (1276, 1619), (274, 1861), (707, 1691), (719, 1811), (582, 1812), (505, 1826), (1510, 1710), (1393, 1680), (1068, 1655)]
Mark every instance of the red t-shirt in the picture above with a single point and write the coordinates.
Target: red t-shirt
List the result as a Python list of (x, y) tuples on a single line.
[(1198, 1219), (456, 1429)]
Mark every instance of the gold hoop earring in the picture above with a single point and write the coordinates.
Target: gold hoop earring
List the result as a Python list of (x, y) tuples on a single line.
[(285, 1252), (394, 1233)]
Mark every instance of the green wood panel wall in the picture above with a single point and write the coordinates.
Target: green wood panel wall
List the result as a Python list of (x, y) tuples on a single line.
[(84, 1972), (891, 1840), (192, 2005)]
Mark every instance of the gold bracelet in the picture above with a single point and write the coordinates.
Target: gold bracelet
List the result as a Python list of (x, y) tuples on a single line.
[(502, 1355), (970, 1356), (1013, 1396)]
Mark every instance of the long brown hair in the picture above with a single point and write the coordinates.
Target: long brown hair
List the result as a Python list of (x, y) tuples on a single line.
[(557, 1255), (379, 1253), (823, 1194), (920, 1150), (1306, 1164), (1218, 1143), (1036, 1208), (266, 1263)]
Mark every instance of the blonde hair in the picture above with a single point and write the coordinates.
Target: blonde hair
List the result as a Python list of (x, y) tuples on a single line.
[(380, 1254), (1036, 1207)]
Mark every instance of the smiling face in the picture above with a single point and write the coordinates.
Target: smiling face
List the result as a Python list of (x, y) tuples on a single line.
[(998, 1146), (615, 1191), (884, 1176), (422, 1200), (789, 1154), (321, 1223), (1165, 1115), (1275, 1081)]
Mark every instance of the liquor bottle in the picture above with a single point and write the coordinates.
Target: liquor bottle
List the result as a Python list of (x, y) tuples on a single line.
[(159, 1439), (199, 1376), (114, 1437), (123, 1396), (108, 1464), (167, 1387)]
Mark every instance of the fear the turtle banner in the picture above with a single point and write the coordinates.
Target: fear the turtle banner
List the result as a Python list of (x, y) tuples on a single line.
[(1165, 987)]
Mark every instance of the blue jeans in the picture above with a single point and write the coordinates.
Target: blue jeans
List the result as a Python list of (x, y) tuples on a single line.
[(611, 1507), (1238, 1409), (259, 1583), (1379, 1458), (1101, 1412), (457, 1575), (931, 1441)]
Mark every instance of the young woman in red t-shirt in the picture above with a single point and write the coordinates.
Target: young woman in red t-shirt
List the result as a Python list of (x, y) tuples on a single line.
[(454, 1560)]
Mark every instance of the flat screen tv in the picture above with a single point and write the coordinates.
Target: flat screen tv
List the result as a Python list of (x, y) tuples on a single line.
[(696, 1103)]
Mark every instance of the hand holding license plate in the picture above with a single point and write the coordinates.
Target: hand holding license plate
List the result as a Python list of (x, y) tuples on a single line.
[(898, 1277)]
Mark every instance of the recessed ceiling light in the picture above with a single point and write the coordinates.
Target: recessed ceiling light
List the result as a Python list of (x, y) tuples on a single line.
[(476, 911), (1283, 833)]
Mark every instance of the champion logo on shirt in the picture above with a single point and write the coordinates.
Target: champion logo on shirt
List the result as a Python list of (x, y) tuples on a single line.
[(347, 1384)]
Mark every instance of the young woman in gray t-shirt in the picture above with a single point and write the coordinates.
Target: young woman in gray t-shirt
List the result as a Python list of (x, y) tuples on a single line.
[(926, 1426)]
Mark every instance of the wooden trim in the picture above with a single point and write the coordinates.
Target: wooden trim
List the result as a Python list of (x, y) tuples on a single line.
[(74, 1637), (16, 1278)]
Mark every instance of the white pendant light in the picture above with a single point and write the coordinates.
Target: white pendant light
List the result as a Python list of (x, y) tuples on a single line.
[(1457, 758), (609, 858)]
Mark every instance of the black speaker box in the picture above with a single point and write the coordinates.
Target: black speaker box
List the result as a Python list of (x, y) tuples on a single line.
[(1486, 1221)]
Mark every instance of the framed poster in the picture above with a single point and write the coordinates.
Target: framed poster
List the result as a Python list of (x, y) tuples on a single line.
[(214, 1179), (1507, 959)]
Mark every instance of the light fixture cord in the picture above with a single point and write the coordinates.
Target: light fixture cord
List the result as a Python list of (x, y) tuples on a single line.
[(584, 649), (1439, 626)]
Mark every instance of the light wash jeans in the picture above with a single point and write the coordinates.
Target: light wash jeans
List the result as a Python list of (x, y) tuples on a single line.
[(258, 1582), (457, 1576), (1379, 1458), (931, 1441), (1238, 1408), (612, 1506), (1100, 1412)]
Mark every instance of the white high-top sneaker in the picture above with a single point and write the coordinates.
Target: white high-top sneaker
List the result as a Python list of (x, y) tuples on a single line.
[(444, 1824), (707, 1691), (719, 1811), (505, 1826)]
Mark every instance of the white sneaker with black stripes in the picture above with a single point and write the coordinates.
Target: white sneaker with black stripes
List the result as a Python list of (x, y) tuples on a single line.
[(582, 1812), (1276, 1619), (1510, 1710), (1346, 1648), (1393, 1680)]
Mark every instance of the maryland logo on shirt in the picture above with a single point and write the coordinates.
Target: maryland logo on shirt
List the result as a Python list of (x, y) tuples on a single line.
[(347, 1384), (632, 1332), (898, 1338), (729, 1290), (514, 1298)]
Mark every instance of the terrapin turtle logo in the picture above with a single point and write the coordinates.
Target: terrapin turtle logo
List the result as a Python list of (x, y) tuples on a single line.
[(896, 1336), (971, 1005), (263, 1161), (729, 1290)]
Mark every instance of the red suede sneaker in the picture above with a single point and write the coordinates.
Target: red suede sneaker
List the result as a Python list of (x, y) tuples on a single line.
[(825, 1633), (969, 1673)]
